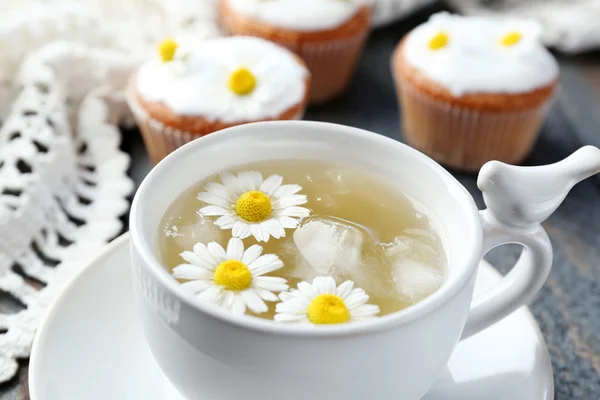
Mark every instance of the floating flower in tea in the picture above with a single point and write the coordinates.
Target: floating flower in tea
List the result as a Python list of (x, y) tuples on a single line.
[(347, 226), (231, 278), (252, 206), (323, 302)]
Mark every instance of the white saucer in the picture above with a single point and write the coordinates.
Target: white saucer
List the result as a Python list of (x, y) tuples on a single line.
[(91, 347)]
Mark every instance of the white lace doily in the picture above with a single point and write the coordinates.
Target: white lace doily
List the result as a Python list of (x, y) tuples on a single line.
[(63, 182)]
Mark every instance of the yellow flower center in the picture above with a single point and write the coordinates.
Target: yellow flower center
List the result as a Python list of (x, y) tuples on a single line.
[(328, 309), (233, 275), (242, 81), (254, 206), (511, 39), (166, 50), (439, 41)]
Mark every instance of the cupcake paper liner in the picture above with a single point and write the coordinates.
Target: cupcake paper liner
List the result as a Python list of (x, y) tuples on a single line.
[(465, 138), (332, 65), (160, 139)]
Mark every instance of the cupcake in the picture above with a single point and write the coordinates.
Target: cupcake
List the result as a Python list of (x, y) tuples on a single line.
[(187, 92), (473, 89), (328, 34)]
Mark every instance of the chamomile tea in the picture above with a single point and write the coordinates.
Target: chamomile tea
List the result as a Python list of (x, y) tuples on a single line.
[(302, 242)]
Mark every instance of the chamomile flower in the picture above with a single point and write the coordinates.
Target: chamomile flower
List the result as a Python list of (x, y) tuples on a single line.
[(231, 278), (322, 302), (250, 205), (519, 36)]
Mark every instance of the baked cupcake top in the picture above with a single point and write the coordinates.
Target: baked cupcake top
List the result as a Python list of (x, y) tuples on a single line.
[(299, 15), (480, 55), (230, 79)]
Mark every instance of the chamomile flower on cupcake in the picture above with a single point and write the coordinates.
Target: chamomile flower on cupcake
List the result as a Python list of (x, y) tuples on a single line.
[(474, 89), (518, 36), (328, 34), (322, 302), (233, 278), (188, 91), (252, 206)]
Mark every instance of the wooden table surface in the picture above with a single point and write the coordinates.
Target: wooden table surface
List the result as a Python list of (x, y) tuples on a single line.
[(568, 307)]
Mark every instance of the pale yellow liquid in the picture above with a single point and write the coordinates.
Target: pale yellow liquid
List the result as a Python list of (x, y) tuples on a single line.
[(346, 194)]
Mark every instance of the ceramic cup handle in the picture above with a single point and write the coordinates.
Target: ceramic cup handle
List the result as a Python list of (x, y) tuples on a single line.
[(519, 199)]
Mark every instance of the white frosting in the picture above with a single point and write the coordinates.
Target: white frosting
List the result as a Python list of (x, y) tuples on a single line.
[(196, 82), (300, 15), (474, 61)]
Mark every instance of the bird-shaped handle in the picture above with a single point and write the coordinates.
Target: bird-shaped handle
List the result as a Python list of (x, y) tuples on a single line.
[(523, 197), (519, 199)]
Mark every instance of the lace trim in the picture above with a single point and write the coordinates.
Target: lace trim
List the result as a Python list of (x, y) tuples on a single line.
[(63, 181)]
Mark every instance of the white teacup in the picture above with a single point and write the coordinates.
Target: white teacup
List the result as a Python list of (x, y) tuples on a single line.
[(208, 353)]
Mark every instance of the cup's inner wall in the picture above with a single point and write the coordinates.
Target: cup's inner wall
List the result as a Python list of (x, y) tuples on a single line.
[(444, 200)]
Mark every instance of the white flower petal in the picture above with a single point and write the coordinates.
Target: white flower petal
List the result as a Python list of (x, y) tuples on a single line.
[(191, 272), (259, 233), (214, 294), (228, 299), (258, 179), (194, 259), (212, 199), (213, 211), (293, 318), (238, 307), (293, 294), (291, 306), (219, 190), (287, 190), (288, 223), (275, 266), (250, 180), (241, 229), (266, 295), (196, 287), (217, 252), (344, 289), (271, 184), (235, 249), (225, 222), (356, 298), (294, 212), (201, 251), (364, 311), (253, 301), (289, 201), (232, 184), (284, 308), (285, 296), (272, 283), (251, 254), (324, 285), (274, 228), (298, 305), (265, 264), (307, 290)]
